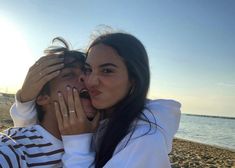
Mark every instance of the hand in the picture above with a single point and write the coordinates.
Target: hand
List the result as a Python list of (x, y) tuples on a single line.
[(71, 118), (45, 69)]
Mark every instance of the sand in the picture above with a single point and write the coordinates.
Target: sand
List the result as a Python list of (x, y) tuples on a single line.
[(187, 154)]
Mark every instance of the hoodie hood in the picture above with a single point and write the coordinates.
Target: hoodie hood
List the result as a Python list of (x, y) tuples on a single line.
[(166, 115)]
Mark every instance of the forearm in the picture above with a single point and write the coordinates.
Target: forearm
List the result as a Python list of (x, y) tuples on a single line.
[(78, 152)]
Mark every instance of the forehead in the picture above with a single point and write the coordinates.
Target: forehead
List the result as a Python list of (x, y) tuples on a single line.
[(101, 53)]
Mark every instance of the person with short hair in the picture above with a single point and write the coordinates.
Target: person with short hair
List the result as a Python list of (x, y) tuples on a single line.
[(39, 144)]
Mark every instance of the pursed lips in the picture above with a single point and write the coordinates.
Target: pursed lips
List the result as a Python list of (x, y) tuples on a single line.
[(94, 92)]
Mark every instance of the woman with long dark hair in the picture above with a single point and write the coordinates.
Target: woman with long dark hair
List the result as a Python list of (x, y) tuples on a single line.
[(133, 131)]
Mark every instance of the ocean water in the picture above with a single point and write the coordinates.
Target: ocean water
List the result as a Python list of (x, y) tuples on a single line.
[(208, 130)]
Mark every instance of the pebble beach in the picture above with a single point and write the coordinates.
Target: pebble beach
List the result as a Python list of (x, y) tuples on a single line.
[(188, 154)]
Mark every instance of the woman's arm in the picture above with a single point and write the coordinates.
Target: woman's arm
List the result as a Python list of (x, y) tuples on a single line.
[(23, 111), (145, 151)]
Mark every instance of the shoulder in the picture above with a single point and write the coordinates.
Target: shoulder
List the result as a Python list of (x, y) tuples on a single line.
[(143, 136), (148, 150), (17, 131), (163, 104)]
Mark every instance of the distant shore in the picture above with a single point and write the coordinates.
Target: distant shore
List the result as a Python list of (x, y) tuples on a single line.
[(199, 115), (195, 155)]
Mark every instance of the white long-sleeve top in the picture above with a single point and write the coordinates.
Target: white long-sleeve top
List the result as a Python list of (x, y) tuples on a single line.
[(150, 150)]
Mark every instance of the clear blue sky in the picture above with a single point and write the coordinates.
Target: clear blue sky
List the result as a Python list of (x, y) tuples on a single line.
[(191, 43)]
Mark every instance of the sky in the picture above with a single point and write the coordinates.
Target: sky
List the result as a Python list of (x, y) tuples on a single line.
[(190, 43)]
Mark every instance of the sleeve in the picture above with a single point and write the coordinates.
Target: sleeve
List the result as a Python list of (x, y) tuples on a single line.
[(78, 151), (167, 114), (146, 151), (9, 155), (23, 114)]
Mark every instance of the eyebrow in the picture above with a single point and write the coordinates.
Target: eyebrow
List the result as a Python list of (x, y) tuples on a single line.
[(103, 65)]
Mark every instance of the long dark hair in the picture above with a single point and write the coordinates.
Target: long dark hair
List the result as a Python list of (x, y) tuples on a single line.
[(135, 57)]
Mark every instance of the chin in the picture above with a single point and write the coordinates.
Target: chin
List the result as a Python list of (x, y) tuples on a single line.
[(100, 105)]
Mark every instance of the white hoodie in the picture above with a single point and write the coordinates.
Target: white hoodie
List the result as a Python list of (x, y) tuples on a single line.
[(143, 150)]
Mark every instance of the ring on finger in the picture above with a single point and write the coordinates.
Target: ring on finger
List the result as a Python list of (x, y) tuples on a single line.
[(71, 111)]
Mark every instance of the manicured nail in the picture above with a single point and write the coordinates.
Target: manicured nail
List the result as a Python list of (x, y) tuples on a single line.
[(68, 88), (74, 90), (59, 94)]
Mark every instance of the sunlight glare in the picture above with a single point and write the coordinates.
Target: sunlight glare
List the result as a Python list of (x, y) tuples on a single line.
[(15, 57)]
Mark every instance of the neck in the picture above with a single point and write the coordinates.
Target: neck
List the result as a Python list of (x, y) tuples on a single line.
[(50, 123)]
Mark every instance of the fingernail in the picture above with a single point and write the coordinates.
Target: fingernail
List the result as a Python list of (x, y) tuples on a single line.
[(68, 88), (74, 90), (59, 93)]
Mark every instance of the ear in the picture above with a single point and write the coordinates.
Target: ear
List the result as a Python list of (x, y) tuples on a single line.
[(43, 100)]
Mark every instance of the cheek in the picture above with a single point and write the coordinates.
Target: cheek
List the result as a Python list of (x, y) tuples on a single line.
[(119, 88)]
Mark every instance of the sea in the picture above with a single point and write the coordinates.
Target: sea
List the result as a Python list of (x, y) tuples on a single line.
[(211, 130)]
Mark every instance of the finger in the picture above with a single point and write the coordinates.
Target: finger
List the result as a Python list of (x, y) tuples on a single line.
[(63, 109), (46, 61), (46, 71), (58, 115), (52, 59), (49, 57), (47, 66), (71, 107), (78, 106), (47, 78)]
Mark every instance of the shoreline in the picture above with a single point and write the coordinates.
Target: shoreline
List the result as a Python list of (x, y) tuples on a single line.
[(211, 145), (187, 153)]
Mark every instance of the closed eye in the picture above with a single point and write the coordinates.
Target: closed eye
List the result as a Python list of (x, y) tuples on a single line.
[(107, 70), (68, 75), (87, 70)]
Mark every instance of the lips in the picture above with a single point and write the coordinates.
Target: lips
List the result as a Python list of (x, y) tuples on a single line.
[(94, 92)]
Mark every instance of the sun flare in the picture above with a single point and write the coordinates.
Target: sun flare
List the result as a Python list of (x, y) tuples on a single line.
[(15, 56)]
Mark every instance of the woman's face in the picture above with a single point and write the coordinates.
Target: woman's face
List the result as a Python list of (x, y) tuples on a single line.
[(106, 76)]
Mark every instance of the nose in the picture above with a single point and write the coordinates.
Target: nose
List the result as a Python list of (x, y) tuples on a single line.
[(91, 80), (81, 78)]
